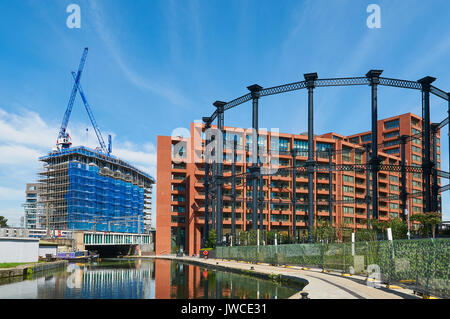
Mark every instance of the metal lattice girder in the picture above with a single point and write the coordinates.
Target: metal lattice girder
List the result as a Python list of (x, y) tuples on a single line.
[(342, 81), (238, 101), (444, 188), (213, 116), (443, 174), (439, 92), (333, 82), (443, 123), (400, 83), (283, 88)]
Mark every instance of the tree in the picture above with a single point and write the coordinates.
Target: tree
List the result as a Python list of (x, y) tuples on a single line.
[(379, 226), (211, 242), (399, 228), (428, 219), (324, 232), (3, 222)]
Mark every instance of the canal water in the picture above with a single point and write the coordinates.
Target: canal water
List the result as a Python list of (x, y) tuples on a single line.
[(141, 279)]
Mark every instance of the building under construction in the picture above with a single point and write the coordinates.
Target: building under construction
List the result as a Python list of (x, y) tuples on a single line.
[(84, 189)]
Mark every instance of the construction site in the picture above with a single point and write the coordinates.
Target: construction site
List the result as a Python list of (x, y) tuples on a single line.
[(84, 189)]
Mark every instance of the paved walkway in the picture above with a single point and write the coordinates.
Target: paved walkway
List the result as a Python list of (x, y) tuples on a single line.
[(320, 285)]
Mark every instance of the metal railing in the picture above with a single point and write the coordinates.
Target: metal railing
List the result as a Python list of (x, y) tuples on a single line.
[(422, 265)]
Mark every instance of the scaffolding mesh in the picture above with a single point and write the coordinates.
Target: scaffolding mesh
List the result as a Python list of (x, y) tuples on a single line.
[(102, 203)]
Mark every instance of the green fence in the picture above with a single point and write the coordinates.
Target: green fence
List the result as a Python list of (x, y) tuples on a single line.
[(422, 265)]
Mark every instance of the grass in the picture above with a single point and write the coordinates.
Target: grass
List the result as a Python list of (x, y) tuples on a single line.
[(11, 265)]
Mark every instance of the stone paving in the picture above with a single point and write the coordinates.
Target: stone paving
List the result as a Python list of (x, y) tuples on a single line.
[(320, 285)]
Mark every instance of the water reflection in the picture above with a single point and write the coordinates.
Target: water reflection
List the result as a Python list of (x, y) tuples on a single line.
[(146, 279), (194, 282)]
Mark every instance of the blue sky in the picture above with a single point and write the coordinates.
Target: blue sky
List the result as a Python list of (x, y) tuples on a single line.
[(154, 66)]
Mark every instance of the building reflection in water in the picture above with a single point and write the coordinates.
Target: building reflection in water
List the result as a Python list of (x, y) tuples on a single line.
[(124, 280), (181, 281), (148, 279)]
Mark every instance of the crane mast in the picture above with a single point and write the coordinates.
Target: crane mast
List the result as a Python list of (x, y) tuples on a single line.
[(91, 117), (64, 140)]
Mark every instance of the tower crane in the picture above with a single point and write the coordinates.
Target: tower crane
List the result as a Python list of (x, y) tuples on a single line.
[(64, 140), (94, 123)]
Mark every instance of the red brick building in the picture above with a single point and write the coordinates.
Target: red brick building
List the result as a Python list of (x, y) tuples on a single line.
[(180, 178)]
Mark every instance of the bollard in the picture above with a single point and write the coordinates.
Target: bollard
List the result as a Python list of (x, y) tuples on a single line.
[(304, 295)]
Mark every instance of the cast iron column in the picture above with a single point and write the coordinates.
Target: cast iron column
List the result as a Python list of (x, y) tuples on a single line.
[(368, 199), (435, 187), (219, 156), (261, 201), (206, 182), (213, 193), (233, 191), (330, 183), (426, 164), (310, 78), (254, 89), (294, 194), (374, 78), (403, 192), (448, 113)]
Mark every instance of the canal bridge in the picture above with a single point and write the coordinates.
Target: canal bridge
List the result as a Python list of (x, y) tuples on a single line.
[(109, 244)]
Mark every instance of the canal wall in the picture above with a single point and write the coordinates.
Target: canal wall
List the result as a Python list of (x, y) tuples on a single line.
[(213, 264), (24, 270), (319, 285)]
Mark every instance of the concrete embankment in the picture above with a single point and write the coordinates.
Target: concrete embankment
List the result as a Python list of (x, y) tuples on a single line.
[(319, 285), (27, 269)]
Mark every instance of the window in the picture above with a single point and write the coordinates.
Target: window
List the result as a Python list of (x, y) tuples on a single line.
[(346, 154), (178, 209), (322, 147), (284, 145), (393, 178), (393, 205), (392, 124), (415, 122), (416, 149), (393, 151), (178, 219), (358, 157), (394, 188), (301, 146), (415, 131), (392, 134), (391, 143), (417, 184), (416, 158), (348, 179), (262, 141), (354, 140), (348, 189), (347, 220), (177, 198), (366, 138)]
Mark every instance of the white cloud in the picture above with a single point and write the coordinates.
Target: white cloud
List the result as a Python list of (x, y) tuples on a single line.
[(25, 136), (7, 193)]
